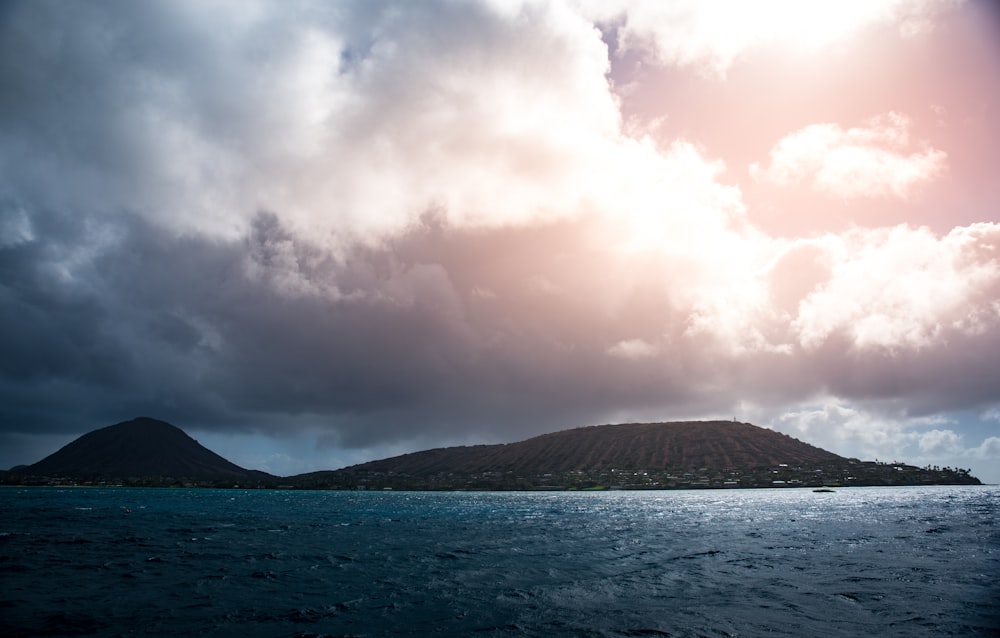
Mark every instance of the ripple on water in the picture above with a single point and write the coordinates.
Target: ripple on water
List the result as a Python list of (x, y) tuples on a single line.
[(892, 562)]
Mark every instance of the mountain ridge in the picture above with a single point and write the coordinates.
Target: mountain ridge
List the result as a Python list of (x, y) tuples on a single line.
[(684, 454)]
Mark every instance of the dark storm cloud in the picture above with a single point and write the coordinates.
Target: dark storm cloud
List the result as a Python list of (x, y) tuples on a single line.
[(441, 332), (393, 340), (177, 323)]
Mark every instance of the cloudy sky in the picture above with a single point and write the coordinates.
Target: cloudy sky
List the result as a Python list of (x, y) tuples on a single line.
[(316, 233)]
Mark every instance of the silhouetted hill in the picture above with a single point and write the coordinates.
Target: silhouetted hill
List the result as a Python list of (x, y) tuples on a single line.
[(633, 455), (139, 448), (145, 451), (711, 444)]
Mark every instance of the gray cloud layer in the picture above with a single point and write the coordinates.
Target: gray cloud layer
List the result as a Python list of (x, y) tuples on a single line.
[(439, 332)]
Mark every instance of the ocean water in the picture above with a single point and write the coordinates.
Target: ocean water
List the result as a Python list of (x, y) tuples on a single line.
[(784, 562)]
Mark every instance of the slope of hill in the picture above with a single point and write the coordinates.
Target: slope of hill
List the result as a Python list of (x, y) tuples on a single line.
[(146, 451), (681, 446), (633, 455), (142, 447)]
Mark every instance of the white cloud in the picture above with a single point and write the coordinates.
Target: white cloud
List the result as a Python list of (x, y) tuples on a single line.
[(880, 290), (349, 122), (904, 287), (870, 432), (989, 449), (941, 443), (633, 349), (992, 414), (712, 34), (870, 161), (847, 429), (852, 429)]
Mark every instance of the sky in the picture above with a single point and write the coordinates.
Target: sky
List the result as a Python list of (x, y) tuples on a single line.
[(313, 234)]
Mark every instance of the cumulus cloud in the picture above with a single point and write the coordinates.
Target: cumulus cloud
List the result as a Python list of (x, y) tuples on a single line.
[(989, 449), (872, 290), (940, 442), (868, 161), (879, 432), (351, 120), (848, 428), (904, 287), (948, 444)]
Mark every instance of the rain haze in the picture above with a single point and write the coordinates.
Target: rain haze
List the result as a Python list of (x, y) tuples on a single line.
[(313, 234)]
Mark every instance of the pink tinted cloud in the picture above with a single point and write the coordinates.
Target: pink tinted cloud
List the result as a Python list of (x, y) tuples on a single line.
[(904, 288), (875, 160)]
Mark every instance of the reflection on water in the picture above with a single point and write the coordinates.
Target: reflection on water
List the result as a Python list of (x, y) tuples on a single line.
[(891, 561)]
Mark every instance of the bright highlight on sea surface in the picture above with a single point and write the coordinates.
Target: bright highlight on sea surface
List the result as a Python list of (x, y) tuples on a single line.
[(906, 562)]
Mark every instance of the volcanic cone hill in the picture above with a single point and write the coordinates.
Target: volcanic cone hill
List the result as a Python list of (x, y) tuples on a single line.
[(142, 447), (710, 444), (631, 456)]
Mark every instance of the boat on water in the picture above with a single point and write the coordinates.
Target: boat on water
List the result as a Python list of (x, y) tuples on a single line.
[(823, 489)]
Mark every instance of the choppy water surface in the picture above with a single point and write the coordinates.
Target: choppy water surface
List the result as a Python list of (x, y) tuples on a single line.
[(861, 561)]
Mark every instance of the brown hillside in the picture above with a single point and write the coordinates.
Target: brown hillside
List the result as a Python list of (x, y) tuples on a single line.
[(710, 444)]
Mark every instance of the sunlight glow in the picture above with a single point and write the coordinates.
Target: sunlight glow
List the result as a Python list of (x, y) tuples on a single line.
[(812, 23), (711, 34)]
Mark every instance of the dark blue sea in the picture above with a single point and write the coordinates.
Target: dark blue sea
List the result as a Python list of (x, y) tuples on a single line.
[(782, 562)]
